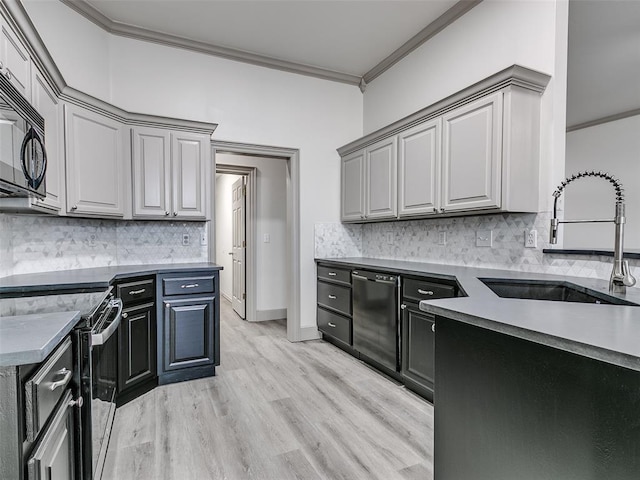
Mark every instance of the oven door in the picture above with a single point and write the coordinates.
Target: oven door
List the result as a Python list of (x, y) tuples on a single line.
[(104, 378)]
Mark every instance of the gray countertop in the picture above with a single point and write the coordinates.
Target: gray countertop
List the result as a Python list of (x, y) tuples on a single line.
[(26, 339), (609, 333), (91, 277), (30, 338)]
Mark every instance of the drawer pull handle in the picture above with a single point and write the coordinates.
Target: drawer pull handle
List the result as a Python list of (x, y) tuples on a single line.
[(332, 297), (332, 274), (137, 292), (65, 379), (425, 292), (332, 325), (191, 285)]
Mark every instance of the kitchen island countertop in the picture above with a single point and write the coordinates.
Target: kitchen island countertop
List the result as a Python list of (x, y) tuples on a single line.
[(609, 333)]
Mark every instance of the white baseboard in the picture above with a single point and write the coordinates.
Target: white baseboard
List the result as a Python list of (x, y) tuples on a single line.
[(225, 296), (274, 314), (309, 333)]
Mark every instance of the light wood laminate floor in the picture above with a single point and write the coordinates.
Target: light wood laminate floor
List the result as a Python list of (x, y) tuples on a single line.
[(275, 410)]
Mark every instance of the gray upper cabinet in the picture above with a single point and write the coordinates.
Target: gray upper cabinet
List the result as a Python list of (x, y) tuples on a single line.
[(169, 174), (380, 186), (94, 155), (151, 157), (189, 158), (15, 62), (419, 169), (472, 155), (352, 187)]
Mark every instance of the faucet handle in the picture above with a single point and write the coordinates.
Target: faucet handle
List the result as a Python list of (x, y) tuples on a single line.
[(628, 280)]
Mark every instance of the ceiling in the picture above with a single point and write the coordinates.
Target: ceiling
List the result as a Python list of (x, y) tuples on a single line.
[(348, 37)]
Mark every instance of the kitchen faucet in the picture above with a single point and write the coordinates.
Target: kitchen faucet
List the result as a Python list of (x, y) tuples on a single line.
[(621, 277)]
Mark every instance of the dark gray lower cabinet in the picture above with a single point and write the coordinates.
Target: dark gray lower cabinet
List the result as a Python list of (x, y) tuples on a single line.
[(418, 350), (137, 358), (189, 326)]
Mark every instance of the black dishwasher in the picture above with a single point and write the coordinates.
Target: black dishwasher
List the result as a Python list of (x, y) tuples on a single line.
[(375, 319)]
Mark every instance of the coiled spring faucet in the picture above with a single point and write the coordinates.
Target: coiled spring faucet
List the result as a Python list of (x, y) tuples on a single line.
[(621, 277)]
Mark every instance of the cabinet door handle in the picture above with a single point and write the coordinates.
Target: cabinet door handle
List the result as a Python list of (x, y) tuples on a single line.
[(8, 75), (190, 285), (433, 327), (332, 325), (425, 292), (75, 207), (332, 274), (166, 213), (332, 297), (125, 315), (65, 379), (175, 214), (167, 305), (403, 306), (137, 292)]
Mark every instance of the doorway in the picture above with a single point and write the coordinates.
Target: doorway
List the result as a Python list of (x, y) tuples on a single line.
[(290, 265)]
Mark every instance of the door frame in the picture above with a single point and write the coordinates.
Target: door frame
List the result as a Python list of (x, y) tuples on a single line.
[(251, 232), (292, 157)]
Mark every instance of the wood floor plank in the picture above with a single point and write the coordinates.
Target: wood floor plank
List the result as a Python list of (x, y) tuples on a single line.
[(275, 410)]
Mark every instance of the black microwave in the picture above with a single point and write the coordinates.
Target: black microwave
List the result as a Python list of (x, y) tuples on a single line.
[(23, 159)]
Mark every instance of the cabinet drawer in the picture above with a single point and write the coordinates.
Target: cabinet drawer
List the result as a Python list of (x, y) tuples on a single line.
[(418, 290), (136, 292), (45, 387), (188, 285), (335, 325), (334, 297), (334, 274)]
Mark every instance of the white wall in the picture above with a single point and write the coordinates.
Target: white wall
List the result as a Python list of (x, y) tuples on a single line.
[(271, 275), (491, 37), (251, 104), (223, 232), (612, 147)]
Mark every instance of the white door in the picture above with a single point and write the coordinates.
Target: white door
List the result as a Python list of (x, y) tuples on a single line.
[(238, 193)]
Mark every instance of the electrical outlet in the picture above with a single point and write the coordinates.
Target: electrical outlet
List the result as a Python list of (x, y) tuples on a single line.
[(92, 240), (390, 238), (531, 239), (442, 238), (484, 238), (185, 239)]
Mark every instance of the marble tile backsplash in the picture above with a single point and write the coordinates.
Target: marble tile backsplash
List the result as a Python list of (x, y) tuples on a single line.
[(417, 240), (33, 243)]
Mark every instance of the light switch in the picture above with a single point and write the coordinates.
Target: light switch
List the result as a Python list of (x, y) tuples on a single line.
[(266, 238)]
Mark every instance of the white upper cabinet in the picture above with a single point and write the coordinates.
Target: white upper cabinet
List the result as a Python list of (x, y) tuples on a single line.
[(169, 174), (95, 163), (151, 159), (419, 169), (352, 187), (190, 154), (15, 62), (380, 174), (472, 155), (48, 105)]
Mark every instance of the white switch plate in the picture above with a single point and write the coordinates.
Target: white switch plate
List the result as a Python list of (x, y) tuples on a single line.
[(531, 239), (185, 239), (442, 238), (266, 238), (484, 238), (390, 238)]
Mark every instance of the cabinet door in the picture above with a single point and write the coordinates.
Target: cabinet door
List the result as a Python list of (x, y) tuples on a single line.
[(418, 350), (137, 359), (53, 458), (380, 185), (352, 187), (15, 60), (47, 104), (189, 158), (188, 333), (151, 159), (472, 155), (419, 169), (94, 154)]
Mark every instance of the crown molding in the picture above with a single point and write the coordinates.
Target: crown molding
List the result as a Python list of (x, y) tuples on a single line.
[(513, 76), (439, 24), (600, 121), (81, 99), (139, 33)]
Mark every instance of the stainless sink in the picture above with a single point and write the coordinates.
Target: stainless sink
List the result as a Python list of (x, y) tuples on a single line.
[(555, 291)]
